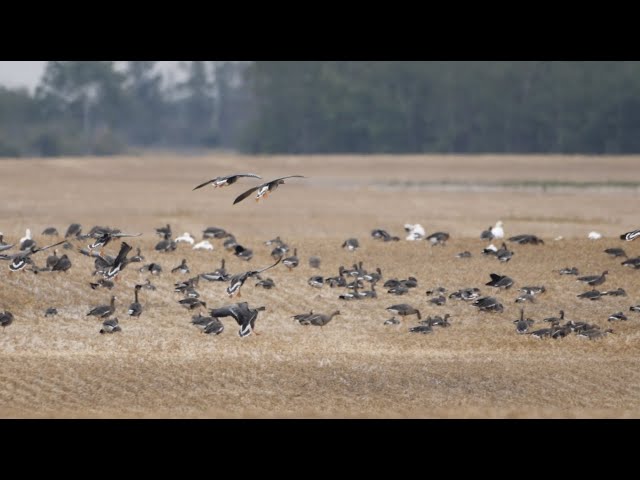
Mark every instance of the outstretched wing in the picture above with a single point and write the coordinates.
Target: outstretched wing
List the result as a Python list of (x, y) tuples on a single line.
[(49, 246), (247, 193), (288, 176), (205, 183), (119, 235), (253, 175), (267, 268)]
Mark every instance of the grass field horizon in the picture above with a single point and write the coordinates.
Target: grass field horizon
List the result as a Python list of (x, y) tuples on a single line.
[(161, 366)]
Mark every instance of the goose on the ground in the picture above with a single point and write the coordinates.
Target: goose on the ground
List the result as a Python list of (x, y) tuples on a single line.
[(110, 325), (351, 244), (320, 319), (593, 280), (316, 281), (594, 334), (243, 252), (138, 257), (490, 250), (264, 189), (526, 239), (27, 241), (52, 259), (555, 319), (303, 318), (568, 271), (21, 259), (522, 324), (103, 311), (404, 309), (52, 231), (230, 243), (525, 297), (591, 294), (441, 300), (62, 265), (634, 308), (214, 232), (74, 230), (424, 328), (186, 237), (152, 268), (219, 275), (465, 254), (503, 253), (391, 321), (534, 289), (213, 327), (438, 238), (615, 252), (380, 234), (487, 234), (314, 262), (226, 180), (292, 261), (488, 304), (618, 292), (500, 281), (50, 312), (414, 232), (632, 262), (266, 283), (203, 245), (108, 284), (191, 303), (135, 309), (166, 245), (6, 319), (617, 316), (148, 285), (182, 268), (201, 320), (438, 321)]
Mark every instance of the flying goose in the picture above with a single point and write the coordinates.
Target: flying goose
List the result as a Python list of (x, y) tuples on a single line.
[(21, 259), (243, 315), (236, 281), (265, 188), (226, 180), (119, 263), (629, 236)]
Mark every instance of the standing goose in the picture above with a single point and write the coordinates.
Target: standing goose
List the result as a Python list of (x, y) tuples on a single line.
[(503, 253), (135, 309), (265, 188), (226, 180), (62, 265), (52, 259), (555, 319), (104, 311), (138, 257), (293, 261), (487, 234), (103, 236), (236, 281), (404, 309), (522, 325), (74, 230), (220, 275), (593, 280), (320, 320), (167, 244)]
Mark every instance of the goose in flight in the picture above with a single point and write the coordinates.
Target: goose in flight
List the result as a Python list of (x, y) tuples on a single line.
[(225, 180), (265, 188), (20, 259), (236, 282)]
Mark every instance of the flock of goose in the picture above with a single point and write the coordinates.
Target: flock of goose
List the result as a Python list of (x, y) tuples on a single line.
[(353, 279)]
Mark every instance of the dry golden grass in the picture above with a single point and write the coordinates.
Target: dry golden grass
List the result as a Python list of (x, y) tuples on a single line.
[(161, 366)]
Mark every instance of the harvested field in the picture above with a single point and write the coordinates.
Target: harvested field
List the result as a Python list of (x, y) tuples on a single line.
[(162, 366)]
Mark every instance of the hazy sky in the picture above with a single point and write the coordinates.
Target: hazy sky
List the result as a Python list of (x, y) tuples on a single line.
[(28, 73)]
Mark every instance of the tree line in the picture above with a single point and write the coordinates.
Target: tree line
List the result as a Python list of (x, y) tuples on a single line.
[(105, 107)]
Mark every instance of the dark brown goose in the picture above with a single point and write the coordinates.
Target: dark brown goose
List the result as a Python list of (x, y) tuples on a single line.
[(265, 189)]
